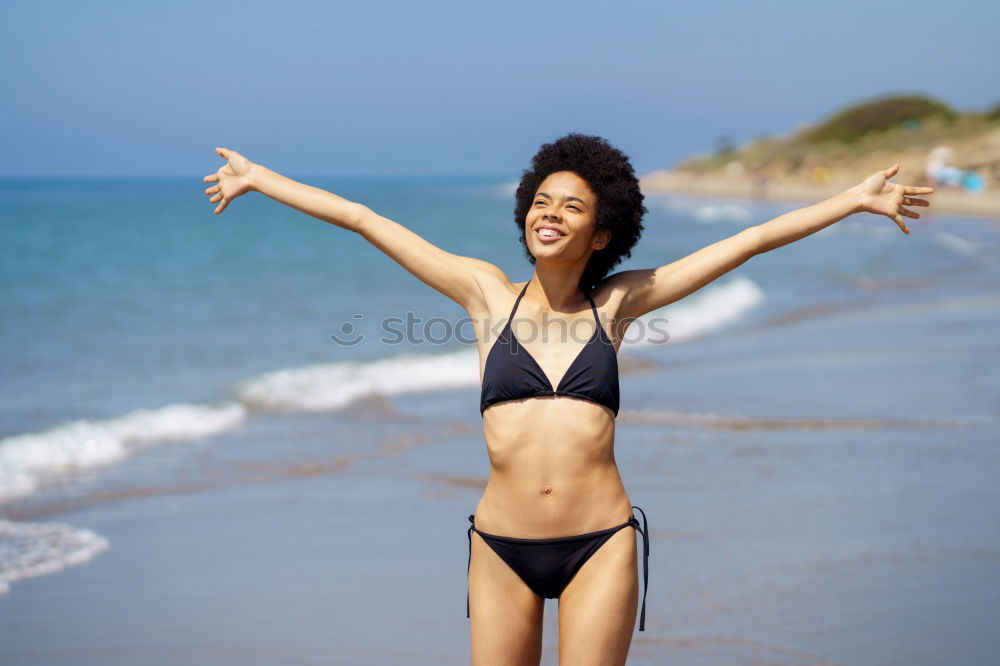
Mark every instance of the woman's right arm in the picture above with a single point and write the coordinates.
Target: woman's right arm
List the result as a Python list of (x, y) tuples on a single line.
[(459, 278)]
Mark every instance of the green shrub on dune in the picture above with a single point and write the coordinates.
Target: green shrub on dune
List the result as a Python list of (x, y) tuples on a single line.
[(994, 113), (877, 115), (893, 127)]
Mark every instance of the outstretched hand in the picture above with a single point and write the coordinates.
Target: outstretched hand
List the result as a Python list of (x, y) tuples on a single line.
[(880, 196), (233, 179)]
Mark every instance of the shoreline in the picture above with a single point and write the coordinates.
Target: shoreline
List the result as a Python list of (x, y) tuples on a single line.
[(984, 204)]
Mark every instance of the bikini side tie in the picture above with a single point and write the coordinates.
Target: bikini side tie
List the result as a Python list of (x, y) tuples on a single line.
[(469, 565), (645, 562)]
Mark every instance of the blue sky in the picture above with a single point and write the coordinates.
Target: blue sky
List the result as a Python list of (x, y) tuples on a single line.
[(148, 88)]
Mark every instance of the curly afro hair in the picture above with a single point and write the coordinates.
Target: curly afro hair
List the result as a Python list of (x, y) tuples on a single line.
[(610, 175)]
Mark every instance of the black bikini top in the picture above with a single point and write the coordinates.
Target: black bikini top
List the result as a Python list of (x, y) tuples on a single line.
[(511, 373)]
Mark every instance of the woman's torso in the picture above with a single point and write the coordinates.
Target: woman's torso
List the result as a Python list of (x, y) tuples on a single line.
[(552, 465)]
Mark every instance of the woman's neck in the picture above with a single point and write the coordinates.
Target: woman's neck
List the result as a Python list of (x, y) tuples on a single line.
[(556, 289)]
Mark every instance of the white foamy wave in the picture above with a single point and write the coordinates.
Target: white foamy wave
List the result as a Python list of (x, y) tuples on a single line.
[(36, 549), (955, 244), (508, 189), (696, 315), (331, 386), (26, 459), (722, 212)]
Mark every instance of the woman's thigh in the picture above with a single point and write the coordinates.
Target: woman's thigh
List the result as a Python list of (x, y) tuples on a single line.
[(597, 609), (505, 614)]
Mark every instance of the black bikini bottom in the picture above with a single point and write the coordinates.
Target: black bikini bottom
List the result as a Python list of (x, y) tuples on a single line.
[(548, 565)]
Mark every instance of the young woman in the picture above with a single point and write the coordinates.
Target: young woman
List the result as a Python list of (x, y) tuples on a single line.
[(551, 521)]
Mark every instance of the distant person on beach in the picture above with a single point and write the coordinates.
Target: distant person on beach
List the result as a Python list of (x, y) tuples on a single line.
[(551, 522)]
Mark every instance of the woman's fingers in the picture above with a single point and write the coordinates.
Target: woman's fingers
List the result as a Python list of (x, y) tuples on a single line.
[(909, 213), (891, 171), (232, 171), (910, 201), (216, 190), (917, 190), (902, 225)]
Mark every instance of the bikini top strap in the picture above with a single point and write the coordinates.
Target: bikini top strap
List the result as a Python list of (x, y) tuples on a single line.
[(597, 319), (517, 302)]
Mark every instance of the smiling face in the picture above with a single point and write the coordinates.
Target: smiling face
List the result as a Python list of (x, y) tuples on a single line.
[(562, 220)]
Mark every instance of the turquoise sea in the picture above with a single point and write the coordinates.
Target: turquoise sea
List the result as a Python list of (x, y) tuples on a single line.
[(193, 470)]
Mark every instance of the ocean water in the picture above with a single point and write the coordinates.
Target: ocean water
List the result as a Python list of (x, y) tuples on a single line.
[(191, 467)]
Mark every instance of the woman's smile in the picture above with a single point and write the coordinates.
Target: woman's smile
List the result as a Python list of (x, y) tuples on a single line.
[(548, 234)]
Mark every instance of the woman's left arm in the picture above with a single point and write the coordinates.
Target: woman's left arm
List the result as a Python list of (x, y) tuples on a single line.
[(875, 195), (649, 289)]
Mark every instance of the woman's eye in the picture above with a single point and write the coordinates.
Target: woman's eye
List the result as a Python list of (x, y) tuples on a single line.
[(570, 207)]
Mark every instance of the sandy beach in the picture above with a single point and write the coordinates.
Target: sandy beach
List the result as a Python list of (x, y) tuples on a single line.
[(943, 200), (795, 169)]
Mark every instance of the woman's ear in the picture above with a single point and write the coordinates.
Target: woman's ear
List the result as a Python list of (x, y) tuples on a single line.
[(601, 239)]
